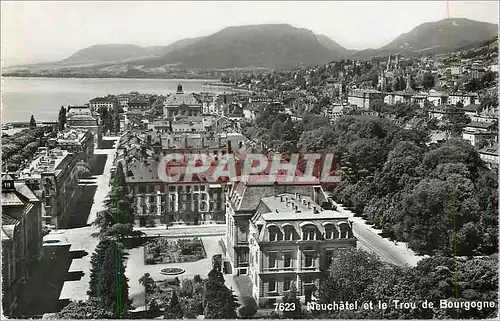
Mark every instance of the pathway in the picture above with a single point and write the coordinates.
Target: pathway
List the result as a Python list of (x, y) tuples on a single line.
[(81, 239), (369, 239)]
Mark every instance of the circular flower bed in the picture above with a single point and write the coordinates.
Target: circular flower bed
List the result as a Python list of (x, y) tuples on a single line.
[(172, 271)]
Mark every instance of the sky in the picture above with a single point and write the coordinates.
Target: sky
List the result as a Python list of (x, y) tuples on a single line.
[(37, 31)]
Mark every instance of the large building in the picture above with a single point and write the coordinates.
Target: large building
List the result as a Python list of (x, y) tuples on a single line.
[(363, 98), (83, 118), (242, 202), (102, 102), (293, 239), (52, 176), (75, 140), (181, 105), (21, 238), (196, 201)]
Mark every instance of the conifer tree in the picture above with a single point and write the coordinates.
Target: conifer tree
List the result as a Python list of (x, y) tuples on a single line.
[(173, 309), (32, 122), (219, 302)]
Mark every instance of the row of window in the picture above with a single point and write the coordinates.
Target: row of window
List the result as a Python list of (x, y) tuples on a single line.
[(308, 234), (286, 283), (309, 260), (180, 188)]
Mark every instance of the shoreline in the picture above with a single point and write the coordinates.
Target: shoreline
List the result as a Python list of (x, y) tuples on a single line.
[(114, 77)]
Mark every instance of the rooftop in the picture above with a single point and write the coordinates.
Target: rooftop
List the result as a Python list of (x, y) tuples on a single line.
[(44, 161)]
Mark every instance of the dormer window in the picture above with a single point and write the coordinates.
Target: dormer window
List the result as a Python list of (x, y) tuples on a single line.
[(288, 233), (274, 234), (309, 234), (329, 231)]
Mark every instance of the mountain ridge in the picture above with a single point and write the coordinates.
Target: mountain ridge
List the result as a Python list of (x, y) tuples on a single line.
[(274, 46)]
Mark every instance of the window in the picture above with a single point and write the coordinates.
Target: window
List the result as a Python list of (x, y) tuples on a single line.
[(142, 189), (171, 188), (274, 234), (151, 189), (162, 188), (328, 258), (344, 231), (288, 233), (287, 259), (329, 232), (309, 234), (286, 284), (308, 259), (272, 286), (151, 199), (273, 259)]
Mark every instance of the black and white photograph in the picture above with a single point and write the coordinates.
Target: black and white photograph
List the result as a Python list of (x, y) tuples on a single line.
[(249, 160)]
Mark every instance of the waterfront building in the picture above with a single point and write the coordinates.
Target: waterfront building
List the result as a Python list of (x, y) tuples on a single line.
[(83, 118), (21, 239), (52, 176), (181, 104), (102, 102), (293, 239)]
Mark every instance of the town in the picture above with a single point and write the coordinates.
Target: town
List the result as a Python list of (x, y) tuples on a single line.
[(91, 230)]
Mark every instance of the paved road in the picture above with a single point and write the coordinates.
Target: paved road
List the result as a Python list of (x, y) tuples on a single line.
[(368, 239), (81, 239)]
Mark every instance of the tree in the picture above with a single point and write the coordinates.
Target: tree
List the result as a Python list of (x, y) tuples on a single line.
[(219, 301), (149, 287), (173, 310), (350, 275), (62, 118), (32, 122), (91, 309), (428, 81), (107, 278)]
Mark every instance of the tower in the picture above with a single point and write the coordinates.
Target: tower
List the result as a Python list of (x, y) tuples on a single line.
[(179, 89), (388, 63), (408, 82)]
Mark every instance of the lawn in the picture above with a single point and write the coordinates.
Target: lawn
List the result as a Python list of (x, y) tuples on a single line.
[(164, 250)]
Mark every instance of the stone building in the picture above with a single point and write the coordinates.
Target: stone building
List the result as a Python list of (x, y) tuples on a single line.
[(21, 238), (293, 239)]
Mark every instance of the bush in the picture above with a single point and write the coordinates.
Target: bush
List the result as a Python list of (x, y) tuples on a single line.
[(247, 311)]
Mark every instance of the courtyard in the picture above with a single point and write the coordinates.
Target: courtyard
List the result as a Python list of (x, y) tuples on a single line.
[(136, 268)]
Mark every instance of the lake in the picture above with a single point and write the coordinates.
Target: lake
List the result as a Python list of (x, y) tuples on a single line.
[(43, 97)]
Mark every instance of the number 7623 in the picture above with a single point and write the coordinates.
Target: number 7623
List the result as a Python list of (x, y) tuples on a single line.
[(284, 306)]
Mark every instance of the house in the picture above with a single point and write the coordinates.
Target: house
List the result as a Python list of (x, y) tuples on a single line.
[(437, 98), (243, 199), (53, 176), (21, 239), (293, 239), (489, 155), (363, 97), (464, 98), (102, 102), (75, 140)]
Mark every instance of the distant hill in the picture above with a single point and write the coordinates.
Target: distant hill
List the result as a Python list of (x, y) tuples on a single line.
[(280, 46), (334, 47), (120, 52), (437, 37), (268, 46)]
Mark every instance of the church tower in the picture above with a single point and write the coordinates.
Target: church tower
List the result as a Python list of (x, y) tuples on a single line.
[(179, 89), (389, 63), (408, 82)]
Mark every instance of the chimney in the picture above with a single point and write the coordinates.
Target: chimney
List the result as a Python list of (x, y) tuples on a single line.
[(309, 204), (315, 210), (282, 198)]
